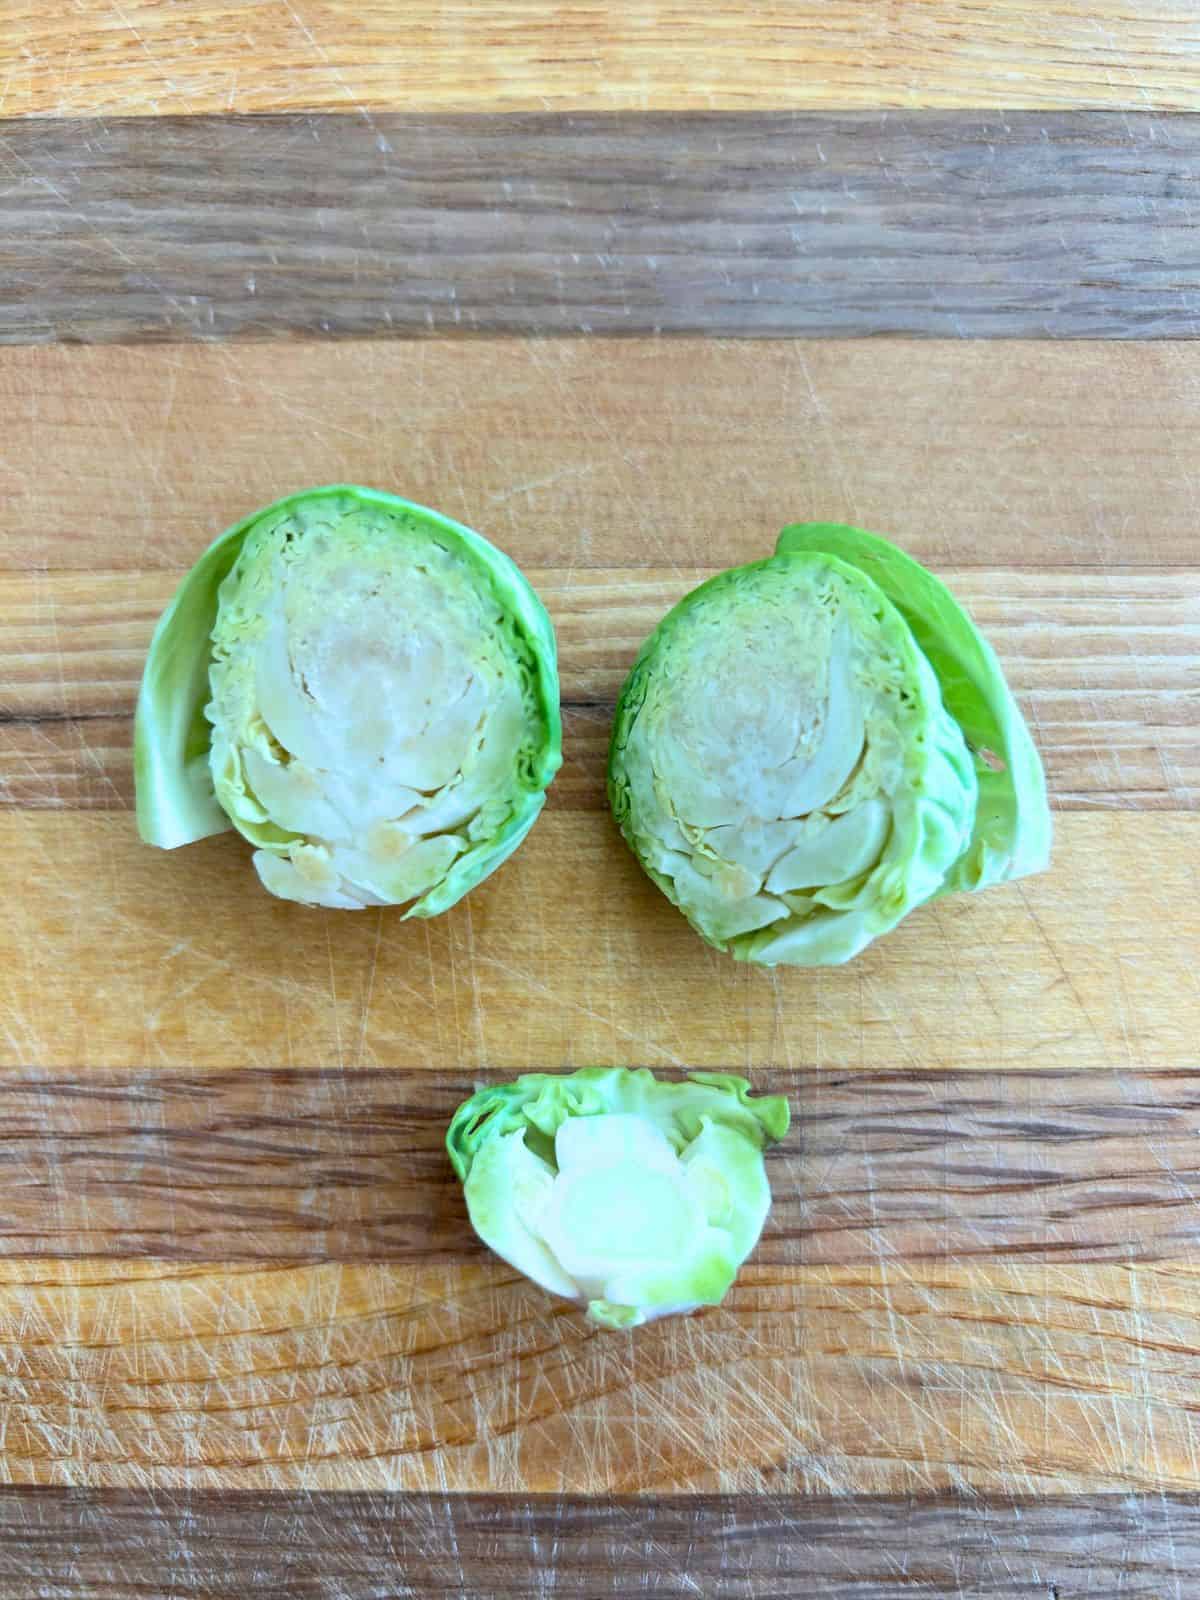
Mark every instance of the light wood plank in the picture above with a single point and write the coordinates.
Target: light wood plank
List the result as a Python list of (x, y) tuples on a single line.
[(113, 953), (614, 453), (901, 1166), (872, 1380), (740, 223), (282, 55), (1106, 665)]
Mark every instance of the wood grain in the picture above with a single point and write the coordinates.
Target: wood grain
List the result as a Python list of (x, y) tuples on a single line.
[(887, 1378), (601, 453), (113, 954), (978, 1278), (900, 1167), (1032, 224), (1106, 664), (281, 55), (462, 1547)]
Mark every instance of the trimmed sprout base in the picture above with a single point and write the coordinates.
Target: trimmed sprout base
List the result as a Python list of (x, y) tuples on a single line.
[(639, 1197), (794, 754), (383, 718)]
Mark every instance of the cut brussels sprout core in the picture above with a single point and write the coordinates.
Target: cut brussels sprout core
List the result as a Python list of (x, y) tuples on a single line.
[(786, 765), (640, 1197), (381, 712)]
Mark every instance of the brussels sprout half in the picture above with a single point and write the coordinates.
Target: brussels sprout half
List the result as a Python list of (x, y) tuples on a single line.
[(638, 1197), (810, 746), (365, 689)]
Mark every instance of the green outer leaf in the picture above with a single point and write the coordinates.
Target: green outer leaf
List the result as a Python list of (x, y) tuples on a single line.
[(176, 801), (541, 1101), (1012, 832)]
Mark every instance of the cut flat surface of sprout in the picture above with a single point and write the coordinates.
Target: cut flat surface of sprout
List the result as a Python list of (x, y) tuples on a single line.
[(367, 703), (639, 1197), (783, 766), (383, 717)]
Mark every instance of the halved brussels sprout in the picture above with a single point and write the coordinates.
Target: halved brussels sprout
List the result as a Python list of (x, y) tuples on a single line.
[(637, 1196), (808, 747), (365, 689)]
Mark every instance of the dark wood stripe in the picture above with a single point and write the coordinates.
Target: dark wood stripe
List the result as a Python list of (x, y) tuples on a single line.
[(307, 1166), (1077, 224), (88, 1544)]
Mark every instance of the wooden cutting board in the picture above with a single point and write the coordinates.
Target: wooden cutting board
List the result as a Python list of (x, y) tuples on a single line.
[(248, 1342)]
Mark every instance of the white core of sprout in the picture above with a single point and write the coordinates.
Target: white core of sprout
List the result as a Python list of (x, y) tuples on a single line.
[(367, 701), (621, 1202), (762, 763), (623, 1209)]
